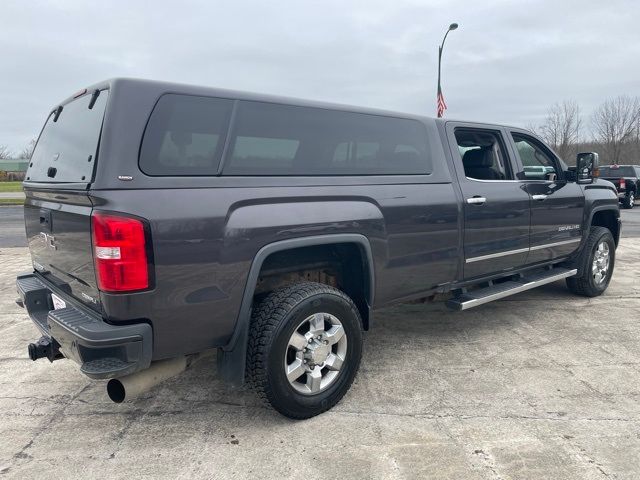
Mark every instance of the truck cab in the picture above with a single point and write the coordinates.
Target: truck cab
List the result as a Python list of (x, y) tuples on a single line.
[(519, 207)]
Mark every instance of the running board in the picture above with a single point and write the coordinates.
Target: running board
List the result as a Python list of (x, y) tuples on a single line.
[(495, 292)]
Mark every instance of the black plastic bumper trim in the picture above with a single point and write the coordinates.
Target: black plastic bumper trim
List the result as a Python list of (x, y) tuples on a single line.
[(102, 350)]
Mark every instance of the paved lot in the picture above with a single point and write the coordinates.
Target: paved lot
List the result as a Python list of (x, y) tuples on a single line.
[(631, 222), (540, 385), (11, 194), (12, 227)]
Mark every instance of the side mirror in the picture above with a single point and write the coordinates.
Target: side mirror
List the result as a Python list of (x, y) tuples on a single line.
[(587, 167)]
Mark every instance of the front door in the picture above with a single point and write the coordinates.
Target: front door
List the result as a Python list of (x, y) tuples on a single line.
[(496, 205), (557, 206)]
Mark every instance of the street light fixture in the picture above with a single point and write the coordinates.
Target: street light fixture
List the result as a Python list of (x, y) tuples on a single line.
[(442, 106)]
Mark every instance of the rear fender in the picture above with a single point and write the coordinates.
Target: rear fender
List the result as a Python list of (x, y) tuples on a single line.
[(232, 358)]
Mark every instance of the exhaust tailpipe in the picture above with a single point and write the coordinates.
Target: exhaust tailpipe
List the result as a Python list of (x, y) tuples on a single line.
[(131, 386)]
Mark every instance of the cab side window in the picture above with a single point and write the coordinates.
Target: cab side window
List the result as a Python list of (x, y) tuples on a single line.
[(483, 154), (537, 163)]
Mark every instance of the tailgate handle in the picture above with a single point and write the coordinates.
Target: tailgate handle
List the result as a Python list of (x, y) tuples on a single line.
[(45, 219)]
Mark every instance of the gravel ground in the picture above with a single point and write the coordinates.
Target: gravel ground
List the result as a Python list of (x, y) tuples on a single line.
[(540, 385)]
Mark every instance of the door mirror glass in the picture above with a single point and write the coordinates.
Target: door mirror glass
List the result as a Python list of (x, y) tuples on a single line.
[(587, 166)]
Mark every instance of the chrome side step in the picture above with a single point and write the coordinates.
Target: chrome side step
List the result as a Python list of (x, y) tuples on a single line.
[(495, 292)]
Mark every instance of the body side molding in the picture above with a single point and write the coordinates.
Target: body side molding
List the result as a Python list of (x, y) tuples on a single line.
[(522, 250)]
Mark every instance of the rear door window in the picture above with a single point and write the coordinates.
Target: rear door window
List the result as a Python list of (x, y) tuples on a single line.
[(274, 139), (67, 148), (483, 154), (185, 135)]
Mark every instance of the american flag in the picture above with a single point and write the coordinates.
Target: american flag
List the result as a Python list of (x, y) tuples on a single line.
[(441, 105)]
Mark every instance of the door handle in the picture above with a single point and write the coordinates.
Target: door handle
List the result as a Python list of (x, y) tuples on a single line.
[(540, 197), (476, 200)]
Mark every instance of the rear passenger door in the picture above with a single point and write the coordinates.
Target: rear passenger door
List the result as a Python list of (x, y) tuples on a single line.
[(496, 205), (557, 206)]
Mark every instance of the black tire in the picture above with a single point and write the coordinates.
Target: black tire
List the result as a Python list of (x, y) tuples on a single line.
[(585, 284), (629, 201), (273, 322)]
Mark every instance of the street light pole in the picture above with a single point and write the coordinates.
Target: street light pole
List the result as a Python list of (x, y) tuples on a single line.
[(440, 98)]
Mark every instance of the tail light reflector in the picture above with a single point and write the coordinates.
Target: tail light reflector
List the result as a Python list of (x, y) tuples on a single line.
[(623, 184), (120, 253)]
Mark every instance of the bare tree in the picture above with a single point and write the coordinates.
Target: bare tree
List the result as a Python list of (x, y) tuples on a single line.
[(561, 128), (27, 151), (615, 125), (636, 145), (5, 152), (533, 127)]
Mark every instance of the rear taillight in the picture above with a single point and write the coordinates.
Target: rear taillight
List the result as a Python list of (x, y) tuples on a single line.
[(120, 253), (623, 184)]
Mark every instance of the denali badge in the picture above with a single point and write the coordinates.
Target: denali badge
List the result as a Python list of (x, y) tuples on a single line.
[(49, 240), (87, 297), (564, 228)]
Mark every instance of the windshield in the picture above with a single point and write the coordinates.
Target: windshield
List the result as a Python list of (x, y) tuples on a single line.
[(66, 149)]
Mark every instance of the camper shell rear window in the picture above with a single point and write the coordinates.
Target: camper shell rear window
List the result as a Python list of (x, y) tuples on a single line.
[(66, 151)]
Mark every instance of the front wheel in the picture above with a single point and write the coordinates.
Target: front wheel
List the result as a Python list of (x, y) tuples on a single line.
[(595, 263), (304, 350)]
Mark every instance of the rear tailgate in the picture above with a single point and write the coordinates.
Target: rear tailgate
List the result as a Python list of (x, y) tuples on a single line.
[(615, 181), (57, 207), (615, 173), (58, 227)]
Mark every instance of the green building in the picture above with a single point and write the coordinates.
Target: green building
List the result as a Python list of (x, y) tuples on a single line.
[(14, 165)]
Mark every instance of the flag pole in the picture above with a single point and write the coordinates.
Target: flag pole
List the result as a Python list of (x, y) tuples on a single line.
[(441, 105), (439, 92)]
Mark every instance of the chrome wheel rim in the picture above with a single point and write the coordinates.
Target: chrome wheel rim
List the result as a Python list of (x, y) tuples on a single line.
[(315, 353), (632, 199), (601, 261)]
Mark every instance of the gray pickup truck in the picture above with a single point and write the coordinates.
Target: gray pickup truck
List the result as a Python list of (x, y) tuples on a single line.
[(167, 220)]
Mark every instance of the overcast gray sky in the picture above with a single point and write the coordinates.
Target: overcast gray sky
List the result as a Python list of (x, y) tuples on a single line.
[(508, 61)]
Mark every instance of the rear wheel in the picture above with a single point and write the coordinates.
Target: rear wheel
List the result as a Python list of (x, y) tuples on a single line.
[(596, 263), (629, 201), (304, 348)]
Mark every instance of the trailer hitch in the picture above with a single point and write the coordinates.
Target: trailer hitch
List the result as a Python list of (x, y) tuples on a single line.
[(45, 348)]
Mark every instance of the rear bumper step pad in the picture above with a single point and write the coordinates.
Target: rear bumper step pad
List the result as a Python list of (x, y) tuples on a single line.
[(102, 350)]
